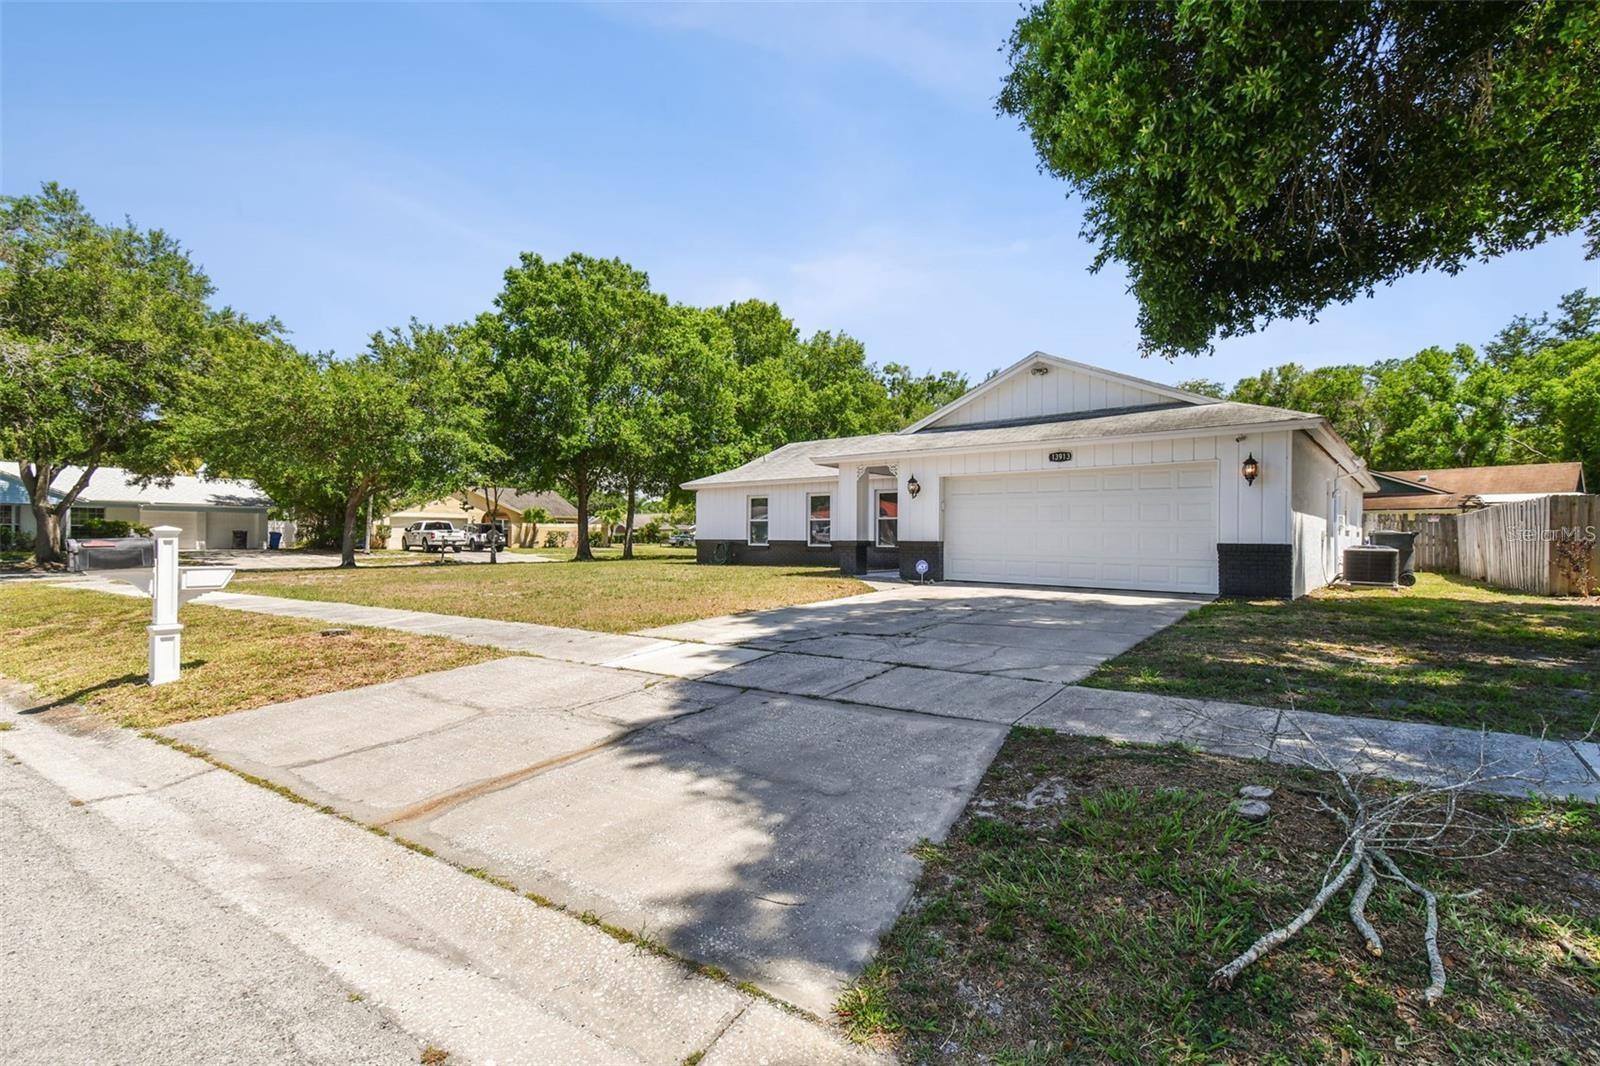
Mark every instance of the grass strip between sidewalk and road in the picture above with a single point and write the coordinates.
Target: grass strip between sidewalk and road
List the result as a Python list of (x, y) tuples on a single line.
[(77, 646), (1077, 910)]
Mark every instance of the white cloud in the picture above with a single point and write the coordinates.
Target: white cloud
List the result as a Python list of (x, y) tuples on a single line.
[(930, 45)]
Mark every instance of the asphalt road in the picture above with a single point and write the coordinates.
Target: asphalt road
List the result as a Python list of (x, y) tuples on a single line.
[(111, 955)]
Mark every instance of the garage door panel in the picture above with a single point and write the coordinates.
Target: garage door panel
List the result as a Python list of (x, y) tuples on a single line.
[(1123, 528)]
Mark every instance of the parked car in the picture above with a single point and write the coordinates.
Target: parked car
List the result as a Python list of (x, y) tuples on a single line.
[(433, 537), (481, 536), (681, 539)]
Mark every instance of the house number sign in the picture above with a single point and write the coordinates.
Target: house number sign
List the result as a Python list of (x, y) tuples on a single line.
[(1061, 457)]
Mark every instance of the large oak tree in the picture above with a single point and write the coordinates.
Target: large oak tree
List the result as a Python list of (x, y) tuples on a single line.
[(400, 422), (100, 329), (1248, 160)]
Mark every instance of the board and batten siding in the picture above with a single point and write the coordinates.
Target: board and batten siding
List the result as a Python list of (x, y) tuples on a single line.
[(1061, 391), (722, 514), (1247, 514)]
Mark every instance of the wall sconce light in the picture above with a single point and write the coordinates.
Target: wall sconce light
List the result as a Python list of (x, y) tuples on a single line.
[(913, 486), (1251, 469)]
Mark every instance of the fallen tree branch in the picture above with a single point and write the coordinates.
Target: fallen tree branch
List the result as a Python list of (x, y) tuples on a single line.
[(1226, 974), (1358, 909)]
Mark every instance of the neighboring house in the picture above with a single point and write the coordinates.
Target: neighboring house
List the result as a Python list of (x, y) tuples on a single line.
[(1058, 473), (1466, 488), (473, 506), (642, 519), (210, 514)]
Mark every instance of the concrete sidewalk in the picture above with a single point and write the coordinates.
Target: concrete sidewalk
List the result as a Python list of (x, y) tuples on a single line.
[(260, 930), (1504, 763)]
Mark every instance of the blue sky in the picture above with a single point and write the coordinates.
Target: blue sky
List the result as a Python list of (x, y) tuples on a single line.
[(345, 167)]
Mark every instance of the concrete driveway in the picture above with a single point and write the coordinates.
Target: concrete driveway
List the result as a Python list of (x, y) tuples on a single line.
[(760, 818)]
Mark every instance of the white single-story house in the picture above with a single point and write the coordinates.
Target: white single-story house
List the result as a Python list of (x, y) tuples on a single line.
[(211, 514), (1054, 472)]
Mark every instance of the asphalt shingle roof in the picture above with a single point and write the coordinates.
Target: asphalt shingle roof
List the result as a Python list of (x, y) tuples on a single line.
[(804, 459), (111, 485)]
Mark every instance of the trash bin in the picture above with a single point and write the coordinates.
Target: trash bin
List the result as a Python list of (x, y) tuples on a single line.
[(1405, 543), (274, 540)]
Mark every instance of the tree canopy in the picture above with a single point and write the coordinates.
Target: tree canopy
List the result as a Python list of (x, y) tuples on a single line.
[(100, 329), (1247, 160), (400, 422)]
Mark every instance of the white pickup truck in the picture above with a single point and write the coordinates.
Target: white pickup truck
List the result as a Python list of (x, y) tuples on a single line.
[(433, 537)]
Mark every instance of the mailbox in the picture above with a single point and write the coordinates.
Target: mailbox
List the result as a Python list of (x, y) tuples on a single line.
[(111, 553), (151, 566)]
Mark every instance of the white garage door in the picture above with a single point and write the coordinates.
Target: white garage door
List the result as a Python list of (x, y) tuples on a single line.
[(1149, 528)]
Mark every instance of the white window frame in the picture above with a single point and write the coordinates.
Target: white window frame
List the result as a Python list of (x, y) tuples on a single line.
[(80, 514), (750, 520), (878, 520), (812, 542), (10, 515)]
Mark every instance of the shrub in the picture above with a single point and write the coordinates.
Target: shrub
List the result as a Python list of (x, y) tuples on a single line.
[(555, 539), (109, 527)]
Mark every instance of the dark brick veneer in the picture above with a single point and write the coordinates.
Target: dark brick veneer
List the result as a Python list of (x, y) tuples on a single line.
[(776, 553), (931, 550), (1256, 571)]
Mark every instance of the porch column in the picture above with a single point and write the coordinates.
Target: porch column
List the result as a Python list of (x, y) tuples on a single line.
[(850, 518)]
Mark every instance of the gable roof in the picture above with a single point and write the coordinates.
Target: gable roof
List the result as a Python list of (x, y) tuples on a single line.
[(1087, 425), (113, 485), (1036, 358), (1521, 478), (555, 505)]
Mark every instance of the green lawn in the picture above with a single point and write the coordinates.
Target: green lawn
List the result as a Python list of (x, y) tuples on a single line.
[(1085, 927), (90, 648), (1448, 650), (662, 586)]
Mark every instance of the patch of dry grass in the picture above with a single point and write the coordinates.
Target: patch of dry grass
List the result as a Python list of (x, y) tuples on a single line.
[(609, 595), (90, 648)]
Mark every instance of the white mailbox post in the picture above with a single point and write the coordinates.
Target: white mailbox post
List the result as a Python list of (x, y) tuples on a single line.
[(171, 585)]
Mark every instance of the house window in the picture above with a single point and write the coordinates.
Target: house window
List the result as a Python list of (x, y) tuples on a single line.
[(8, 515), (84, 515), (888, 519), (757, 533), (819, 520)]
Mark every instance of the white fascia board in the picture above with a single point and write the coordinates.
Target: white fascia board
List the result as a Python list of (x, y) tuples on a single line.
[(696, 486), (1329, 440), (1069, 364), (1067, 442)]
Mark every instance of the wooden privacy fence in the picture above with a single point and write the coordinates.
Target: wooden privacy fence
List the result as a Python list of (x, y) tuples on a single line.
[(1436, 543), (1519, 545)]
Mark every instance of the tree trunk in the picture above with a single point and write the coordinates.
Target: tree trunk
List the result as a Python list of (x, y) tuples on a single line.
[(352, 511), (37, 478), (581, 483), (46, 534), (627, 533)]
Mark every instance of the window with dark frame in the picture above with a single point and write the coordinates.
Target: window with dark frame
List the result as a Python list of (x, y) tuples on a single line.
[(888, 520), (819, 520), (8, 516), (87, 514), (757, 533)]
